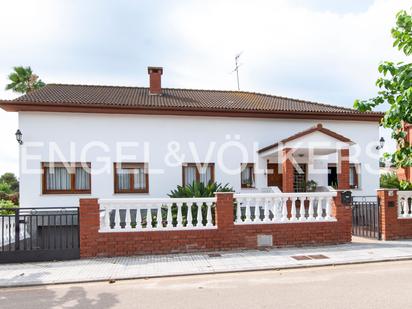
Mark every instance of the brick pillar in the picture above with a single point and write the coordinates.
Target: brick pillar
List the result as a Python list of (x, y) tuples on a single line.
[(388, 213), (89, 227), (288, 177), (343, 169), (224, 210), (343, 214)]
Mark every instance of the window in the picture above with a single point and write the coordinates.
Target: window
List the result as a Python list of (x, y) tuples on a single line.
[(198, 172), (131, 178), (300, 178), (354, 175), (66, 178), (247, 175)]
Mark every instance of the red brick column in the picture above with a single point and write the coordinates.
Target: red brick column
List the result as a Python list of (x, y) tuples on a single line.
[(288, 177), (89, 227), (343, 169), (224, 210), (343, 214), (388, 215)]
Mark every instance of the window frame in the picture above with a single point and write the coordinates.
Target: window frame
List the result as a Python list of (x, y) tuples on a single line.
[(244, 166), (212, 171), (73, 165), (134, 165)]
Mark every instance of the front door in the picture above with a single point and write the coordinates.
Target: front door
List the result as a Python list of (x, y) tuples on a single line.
[(274, 176)]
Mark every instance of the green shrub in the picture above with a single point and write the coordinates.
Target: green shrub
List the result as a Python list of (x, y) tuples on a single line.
[(391, 181), (199, 189), (5, 206), (5, 187)]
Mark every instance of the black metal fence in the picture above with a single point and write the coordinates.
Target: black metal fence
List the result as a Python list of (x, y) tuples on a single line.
[(39, 234), (365, 217)]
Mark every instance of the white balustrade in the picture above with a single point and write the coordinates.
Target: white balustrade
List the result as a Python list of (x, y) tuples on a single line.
[(284, 207), (151, 214), (405, 204)]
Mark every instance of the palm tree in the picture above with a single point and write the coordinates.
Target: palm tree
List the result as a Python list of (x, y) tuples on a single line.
[(23, 80)]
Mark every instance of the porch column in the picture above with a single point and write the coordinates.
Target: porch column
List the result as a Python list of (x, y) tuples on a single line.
[(343, 169), (287, 171)]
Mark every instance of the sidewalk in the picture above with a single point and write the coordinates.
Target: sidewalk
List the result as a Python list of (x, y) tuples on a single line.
[(98, 269)]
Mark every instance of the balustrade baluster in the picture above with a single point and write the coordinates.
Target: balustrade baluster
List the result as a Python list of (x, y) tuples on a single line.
[(189, 215), (127, 219), (302, 210), (293, 216), (209, 215), (311, 211), (179, 215), (248, 215)]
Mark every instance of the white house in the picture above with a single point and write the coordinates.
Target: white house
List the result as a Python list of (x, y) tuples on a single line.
[(108, 141)]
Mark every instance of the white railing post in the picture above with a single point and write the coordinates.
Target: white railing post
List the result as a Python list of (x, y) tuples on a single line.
[(257, 211), (179, 215), (311, 211), (328, 209), (293, 210), (302, 211), (169, 219), (238, 211), (199, 215), (266, 211), (189, 215), (128, 221), (319, 210), (159, 217), (117, 219), (285, 209), (248, 214), (149, 219), (209, 215)]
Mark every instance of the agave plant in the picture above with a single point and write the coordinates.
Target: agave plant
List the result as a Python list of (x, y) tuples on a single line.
[(199, 189)]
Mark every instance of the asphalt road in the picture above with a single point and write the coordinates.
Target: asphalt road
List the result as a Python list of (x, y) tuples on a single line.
[(383, 285)]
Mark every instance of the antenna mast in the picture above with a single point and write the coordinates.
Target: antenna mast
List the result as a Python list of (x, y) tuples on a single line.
[(237, 65)]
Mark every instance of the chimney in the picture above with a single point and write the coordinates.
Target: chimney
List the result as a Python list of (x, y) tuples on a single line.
[(155, 74)]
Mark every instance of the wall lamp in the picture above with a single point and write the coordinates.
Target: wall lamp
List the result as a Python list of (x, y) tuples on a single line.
[(19, 137), (381, 144)]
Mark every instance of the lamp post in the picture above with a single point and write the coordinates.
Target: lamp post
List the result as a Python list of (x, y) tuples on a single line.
[(19, 137), (381, 143)]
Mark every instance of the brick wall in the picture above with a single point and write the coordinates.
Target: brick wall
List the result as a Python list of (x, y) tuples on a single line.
[(391, 227), (226, 237)]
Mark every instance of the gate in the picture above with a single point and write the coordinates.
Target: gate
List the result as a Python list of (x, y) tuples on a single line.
[(365, 217), (39, 234)]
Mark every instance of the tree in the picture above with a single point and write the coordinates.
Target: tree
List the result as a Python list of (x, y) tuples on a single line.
[(23, 80), (395, 86), (9, 180)]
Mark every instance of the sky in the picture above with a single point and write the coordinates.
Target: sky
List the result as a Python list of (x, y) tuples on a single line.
[(320, 50)]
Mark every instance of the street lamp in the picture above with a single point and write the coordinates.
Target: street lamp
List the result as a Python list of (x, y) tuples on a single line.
[(19, 137), (381, 144)]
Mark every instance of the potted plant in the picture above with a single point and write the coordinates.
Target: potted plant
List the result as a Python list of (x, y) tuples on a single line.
[(311, 186)]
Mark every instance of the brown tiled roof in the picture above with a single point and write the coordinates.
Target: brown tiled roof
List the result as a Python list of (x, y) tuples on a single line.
[(128, 98), (318, 128)]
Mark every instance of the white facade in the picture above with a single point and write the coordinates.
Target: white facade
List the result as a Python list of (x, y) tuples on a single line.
[(97, 138)]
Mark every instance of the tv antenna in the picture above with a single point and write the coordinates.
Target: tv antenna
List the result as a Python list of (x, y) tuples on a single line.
[(237, 65)]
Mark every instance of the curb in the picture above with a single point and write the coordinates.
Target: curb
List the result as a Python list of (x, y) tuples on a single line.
[(244, 270)]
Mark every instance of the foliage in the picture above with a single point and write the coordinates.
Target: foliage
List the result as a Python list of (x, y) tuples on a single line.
[(199, 189), (391, 181), (10, 179), (23, 80), (5, 187), (395, 86), (5, 206), (311, 186)]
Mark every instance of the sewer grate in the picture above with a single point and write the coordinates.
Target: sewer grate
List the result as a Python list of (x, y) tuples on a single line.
[(300, 257), (318, 257), (309, 257), (213, 255)]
